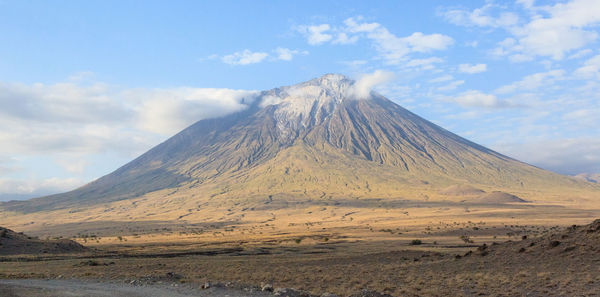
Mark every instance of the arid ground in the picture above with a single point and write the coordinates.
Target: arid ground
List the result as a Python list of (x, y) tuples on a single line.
[(493, 249)]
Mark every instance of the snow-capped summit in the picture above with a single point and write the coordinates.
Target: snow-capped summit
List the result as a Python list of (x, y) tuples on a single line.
[(297, 105)]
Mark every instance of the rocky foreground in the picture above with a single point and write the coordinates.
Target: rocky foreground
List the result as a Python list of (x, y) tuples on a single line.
[(60, 288)]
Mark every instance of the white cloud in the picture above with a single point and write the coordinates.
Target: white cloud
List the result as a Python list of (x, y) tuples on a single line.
[(37, 187), (80, 118), (270, 100), (244, 57), (286, 54), (247, 57), (533, 81), (395, 49), (473, 43), (443, 78), (474, 98), (590, 68), (167, 111), (68, 102), (316, 34), (472, 69), (74, 164), (451, 86), (391, 48), (551, 31), (526, 3), (342, 38), (580, 54), (479, 17), (420, 42), (364, 85), (567, 156), (584, 117), (354, 63), (425, 64)]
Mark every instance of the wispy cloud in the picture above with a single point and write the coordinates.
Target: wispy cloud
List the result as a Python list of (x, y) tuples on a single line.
[(364, 85), (395, 49), (37, 187), (475, 98), (316, 34), (567, 156), (244, 57), (88, 118), (472, 69), (481, 17), (451, 86), (286, 54), (390, 47), (548, 31), (247, 57), (167, 111), (424, 64), (442, 78), (590, 68), (533, 81)]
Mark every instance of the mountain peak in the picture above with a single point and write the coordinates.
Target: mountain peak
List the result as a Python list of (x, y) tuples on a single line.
[(297, 105), (327, 137), (331, 79)]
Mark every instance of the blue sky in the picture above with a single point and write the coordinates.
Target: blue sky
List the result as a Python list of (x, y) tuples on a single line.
[(85, 86)]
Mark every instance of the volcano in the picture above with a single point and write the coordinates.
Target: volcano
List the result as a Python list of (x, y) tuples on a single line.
[(320, 139)]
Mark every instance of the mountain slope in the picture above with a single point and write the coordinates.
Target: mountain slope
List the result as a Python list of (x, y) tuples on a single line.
[(314, 139)]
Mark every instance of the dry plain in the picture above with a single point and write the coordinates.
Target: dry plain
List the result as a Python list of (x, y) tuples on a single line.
[(401, 248)]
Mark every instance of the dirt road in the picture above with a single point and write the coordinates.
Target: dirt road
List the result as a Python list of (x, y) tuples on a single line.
[(61, 288)]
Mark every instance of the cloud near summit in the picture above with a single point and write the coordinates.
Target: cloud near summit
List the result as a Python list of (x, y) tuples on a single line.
[(362, 88)]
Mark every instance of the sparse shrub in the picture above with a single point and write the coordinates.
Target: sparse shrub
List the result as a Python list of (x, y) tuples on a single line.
[(466, 238), (88, 263), (298, 240), (554, 243), (416, 242)]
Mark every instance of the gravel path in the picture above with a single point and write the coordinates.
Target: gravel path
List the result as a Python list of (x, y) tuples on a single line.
[(62, 288)]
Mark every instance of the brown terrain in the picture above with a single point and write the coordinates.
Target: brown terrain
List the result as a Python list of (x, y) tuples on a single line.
[(536, 261)]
